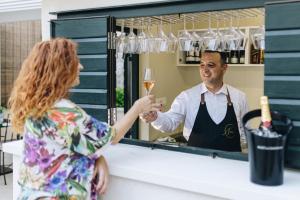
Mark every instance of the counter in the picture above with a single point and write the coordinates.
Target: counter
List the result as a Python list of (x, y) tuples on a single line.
[(144, 173)]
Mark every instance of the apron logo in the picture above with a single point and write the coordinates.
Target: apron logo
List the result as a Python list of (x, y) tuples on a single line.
[(228, 131)]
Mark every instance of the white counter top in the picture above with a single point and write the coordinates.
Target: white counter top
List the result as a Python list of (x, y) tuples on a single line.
[(194, 173)]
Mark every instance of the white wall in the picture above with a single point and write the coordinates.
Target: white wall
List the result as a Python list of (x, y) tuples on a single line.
[(22, 15), (58, 5)]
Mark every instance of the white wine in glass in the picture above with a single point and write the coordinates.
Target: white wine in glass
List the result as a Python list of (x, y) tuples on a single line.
[(149, 81)]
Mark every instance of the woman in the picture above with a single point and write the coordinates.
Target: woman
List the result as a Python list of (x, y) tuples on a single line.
[(61, 158)]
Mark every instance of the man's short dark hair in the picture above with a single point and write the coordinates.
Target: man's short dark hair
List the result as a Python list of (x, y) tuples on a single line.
[(222, 55)]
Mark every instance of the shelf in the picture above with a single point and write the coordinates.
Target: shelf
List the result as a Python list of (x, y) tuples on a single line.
[(230, 65), (180, 56), (246, 65)]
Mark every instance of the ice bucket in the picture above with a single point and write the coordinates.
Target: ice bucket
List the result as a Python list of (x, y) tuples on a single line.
[(266, 154)]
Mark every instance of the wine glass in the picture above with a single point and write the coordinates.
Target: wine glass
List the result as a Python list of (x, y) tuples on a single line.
[(185, 38), (142, 40), (151, 38), (173, 41), (220, 42), (258, 38), (243, 36), (209, 37), (121, 44), (132, 40), (232, 37), (195, 36), (162, 39), (148, 80)]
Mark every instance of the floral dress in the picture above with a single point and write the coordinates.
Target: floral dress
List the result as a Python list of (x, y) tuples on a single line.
[(60, 150)]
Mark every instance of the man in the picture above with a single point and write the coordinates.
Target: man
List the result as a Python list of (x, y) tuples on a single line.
[(212, 111)]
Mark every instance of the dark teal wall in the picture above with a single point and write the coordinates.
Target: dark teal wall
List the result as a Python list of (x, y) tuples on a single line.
[(91, 35), (282, 68)]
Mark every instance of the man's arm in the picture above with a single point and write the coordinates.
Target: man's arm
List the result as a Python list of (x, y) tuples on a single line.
[(170, 120)]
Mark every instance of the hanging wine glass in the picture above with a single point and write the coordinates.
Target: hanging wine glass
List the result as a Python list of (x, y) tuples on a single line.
[(209, 37), (185, 38), (157, 40), (197, 41), (172, 42), (151, 38), (142, 40), (121, 44), (258, 38), (232, 38), (243, 37), (220, 42), (132, 40), (162, 39)]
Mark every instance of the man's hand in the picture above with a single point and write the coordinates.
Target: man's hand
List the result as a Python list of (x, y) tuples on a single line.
[(147, 104), (148, 117), (101, 174)]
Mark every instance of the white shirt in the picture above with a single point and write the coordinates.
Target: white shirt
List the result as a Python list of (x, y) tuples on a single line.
[(186, 104)]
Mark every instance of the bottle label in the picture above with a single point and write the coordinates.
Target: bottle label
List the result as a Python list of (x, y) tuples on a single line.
[(242, 60), (234, 60), (265, 112)]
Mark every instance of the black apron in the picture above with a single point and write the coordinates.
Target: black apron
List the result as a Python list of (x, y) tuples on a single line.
[(207, 134)]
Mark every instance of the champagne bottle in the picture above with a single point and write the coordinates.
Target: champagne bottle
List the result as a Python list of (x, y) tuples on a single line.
[(266, 129), (265, 113)]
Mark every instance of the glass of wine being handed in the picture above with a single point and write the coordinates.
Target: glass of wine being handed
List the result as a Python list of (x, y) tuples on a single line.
[(149, 80)]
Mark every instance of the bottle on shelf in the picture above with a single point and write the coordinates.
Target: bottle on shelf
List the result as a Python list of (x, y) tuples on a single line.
[(254, 55), (190, 56), (197, 53), (234, 57), (241, 56), (261, 56), (227, 54)]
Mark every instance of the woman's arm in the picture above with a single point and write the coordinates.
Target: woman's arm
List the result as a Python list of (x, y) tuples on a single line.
[(142, 105), (87, 135), (101, 175)]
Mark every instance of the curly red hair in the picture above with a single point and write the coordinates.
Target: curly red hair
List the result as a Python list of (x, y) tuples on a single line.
[(46, 76)]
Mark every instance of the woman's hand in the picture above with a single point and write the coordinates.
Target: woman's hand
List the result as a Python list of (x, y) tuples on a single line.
[(147, 104), (101, 174), (148, 117), (142, 105)]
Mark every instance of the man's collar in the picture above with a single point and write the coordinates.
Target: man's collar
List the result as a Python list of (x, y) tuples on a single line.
[(223, 90)]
